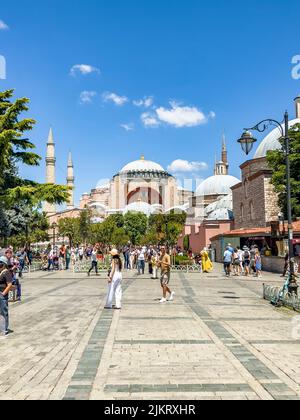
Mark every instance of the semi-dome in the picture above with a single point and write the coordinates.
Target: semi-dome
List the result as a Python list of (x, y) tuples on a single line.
[(142, 165), (271, 142), (217, 185), (139, 207)]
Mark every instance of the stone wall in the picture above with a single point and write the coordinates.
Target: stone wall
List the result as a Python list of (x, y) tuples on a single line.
[(273, 264), (255, 203)]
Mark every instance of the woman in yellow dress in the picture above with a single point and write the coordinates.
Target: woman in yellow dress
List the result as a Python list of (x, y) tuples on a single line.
[(207, 265)]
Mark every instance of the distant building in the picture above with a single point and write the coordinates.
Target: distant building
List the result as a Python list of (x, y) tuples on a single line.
[(141, 186), (210, 211)]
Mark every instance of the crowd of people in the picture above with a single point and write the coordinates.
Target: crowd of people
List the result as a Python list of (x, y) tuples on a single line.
[(155, 261), (242, 262)]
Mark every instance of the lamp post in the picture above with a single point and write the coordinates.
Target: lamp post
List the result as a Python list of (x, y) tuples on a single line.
[(54, 227), (247, 142)]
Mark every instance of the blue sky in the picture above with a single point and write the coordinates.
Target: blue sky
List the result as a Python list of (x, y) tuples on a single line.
[(209, 67)]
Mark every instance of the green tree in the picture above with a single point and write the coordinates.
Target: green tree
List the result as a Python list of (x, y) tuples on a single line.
[(276, 161), (186, 243), (120, 237), (135, 225), (70, 228), (18, 150), (85, 225)]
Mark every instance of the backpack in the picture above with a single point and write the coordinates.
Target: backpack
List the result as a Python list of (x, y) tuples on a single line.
[(247, 255)]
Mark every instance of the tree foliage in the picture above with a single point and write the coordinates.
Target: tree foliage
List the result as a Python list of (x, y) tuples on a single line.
[(70, 228), (17, 149), (276, 161), (135, 225)]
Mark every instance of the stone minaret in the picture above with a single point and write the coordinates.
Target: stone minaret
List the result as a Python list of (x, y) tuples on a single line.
[(297, 103), (225, 154), (70, 182), (222, 167), (50, 209)]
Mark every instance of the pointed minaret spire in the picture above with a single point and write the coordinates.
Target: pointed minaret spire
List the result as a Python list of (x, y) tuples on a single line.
[(70, 182), (50, 136), (50, 209), (224, 147), (225, 154), (70, 161)]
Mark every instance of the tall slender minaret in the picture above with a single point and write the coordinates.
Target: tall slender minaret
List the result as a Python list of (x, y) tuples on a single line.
[(222, 167), (70, 182), (50, 209)]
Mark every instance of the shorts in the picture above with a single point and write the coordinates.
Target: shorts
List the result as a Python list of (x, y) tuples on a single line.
[(247, 263), (165, 278)]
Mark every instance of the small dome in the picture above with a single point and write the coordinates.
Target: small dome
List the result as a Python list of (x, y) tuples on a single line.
[(271, 142), (142, 165), (221, 204), (221, 214), (217, 185), (139, 207)]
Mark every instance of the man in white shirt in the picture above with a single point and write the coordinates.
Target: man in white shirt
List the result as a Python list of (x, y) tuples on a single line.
[(141, 261)]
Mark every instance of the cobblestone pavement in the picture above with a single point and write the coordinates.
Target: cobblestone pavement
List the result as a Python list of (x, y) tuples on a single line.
[(218, 340)]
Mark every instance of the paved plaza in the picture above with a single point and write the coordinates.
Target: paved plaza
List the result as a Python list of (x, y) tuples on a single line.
[(218, 340)]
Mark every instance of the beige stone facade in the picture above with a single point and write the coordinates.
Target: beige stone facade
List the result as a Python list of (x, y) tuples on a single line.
[(142, 184)]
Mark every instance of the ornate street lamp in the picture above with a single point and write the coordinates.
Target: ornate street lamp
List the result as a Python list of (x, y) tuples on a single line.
[(247, 141)]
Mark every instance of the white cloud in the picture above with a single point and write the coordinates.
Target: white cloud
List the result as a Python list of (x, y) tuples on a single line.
[(116, 99), (3, 26), (149, 120), (83, 69), (86, 97), (184, 166), (182, 116), (128, 127), (147, 102)]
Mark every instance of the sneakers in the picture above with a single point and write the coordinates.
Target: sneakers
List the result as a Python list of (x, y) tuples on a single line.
[(163, 300), (172, 297)]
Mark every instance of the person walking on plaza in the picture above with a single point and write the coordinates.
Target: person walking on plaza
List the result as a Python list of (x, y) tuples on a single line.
[(258, 263), (5, 287), (115, 282), (227, 261), (62, 256), (165, 265), (68, 258), (246, 260), (207, 265), (141, 261), (252, 260), (236, 263), (94, 259), (23, 259), (155, 261)]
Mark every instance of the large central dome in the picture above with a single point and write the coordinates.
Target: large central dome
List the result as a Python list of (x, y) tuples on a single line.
[(142, 165)]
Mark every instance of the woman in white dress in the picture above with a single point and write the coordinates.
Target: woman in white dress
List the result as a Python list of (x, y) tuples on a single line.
[(115, 282)]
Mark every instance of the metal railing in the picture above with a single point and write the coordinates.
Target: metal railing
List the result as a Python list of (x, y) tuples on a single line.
[(289, 300)]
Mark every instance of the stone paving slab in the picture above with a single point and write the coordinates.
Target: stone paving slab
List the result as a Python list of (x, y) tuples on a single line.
[(218, 340)]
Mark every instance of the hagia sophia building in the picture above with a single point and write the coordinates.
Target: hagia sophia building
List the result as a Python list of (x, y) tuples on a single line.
[(144, 186), (220, 205)]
